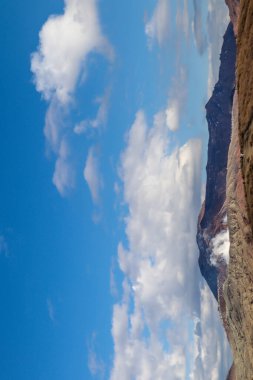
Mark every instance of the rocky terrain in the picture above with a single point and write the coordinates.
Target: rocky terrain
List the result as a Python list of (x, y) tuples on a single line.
[(212, 219), (232, 284), (234, 7), (245, 97), (238, 287)]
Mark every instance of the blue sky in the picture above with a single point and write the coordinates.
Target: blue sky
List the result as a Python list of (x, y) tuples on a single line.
[(102, 173)]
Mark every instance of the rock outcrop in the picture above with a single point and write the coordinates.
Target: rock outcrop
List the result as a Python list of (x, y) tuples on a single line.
[(238, 287), (212, 219), (234, 8)]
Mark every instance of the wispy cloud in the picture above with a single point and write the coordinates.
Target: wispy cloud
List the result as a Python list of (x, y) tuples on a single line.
[(95, 364), (198, 27), (51, 310), (154, 327), (183, 19), (113, 283), (65, 43), (92, 175), (64, 173), (101, 116), (157, 28), (176, 99)]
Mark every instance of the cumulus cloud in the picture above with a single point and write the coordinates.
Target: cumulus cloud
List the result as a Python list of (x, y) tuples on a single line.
[(154, 325), (157, 28), (92, 175), (65, 43), (60, 62), (172, 115)]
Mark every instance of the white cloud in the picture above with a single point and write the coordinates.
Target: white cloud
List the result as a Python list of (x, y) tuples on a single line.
[(220, 247), (101, 116), (199, 31), (157, 28), (183, 19), (95, 364), (153, 325), (65, 43), (64, 175), (113, 283), (54, 126), (176, 99), (212, 352), (59, 64), (92, 175), (172, 115)]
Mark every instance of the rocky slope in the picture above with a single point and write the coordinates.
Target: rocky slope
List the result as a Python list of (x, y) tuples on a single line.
[(234, 7), (238, 287), (235, 281), (212, 219)]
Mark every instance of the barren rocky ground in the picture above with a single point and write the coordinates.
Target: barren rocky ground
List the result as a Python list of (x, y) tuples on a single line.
[(238, 289)]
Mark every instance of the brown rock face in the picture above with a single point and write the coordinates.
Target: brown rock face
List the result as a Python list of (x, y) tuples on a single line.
[(245, 98), (234, 7), (238, 287), (232, 374)]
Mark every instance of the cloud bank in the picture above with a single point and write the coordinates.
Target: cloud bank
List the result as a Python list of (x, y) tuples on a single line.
[(162, 326), (59, 64)]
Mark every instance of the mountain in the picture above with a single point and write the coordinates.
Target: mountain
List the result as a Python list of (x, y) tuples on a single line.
[(228, 207), (212, 223)]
